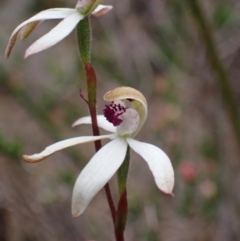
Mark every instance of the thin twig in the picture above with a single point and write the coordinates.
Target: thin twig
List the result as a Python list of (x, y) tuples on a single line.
[(217, 66)]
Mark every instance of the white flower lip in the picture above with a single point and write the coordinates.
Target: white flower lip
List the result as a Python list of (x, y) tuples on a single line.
[(109, 158), (138, 102), (70, 16)]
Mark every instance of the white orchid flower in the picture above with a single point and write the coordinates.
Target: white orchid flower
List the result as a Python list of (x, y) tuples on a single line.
[(70, 16), (124, 122)]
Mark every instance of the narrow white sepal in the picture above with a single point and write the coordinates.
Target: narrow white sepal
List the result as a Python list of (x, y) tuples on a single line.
[(102, 123), (63, 29), (101, 9), (54, 13), (158, 162), (97, 173), (64, 144)]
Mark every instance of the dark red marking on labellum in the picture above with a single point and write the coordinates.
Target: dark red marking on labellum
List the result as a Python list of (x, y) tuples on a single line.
[(112, 113)]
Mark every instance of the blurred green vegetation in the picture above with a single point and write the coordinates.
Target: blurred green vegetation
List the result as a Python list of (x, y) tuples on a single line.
[(12, 148)]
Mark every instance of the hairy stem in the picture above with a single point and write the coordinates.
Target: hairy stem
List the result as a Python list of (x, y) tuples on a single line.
[(84, 45)]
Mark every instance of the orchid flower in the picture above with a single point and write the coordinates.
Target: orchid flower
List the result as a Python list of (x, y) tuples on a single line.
[(70, 16), (124, 121)]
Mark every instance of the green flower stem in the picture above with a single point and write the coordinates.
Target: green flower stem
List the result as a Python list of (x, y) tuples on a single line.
[(122, 173), (217, 66), (122, 209), (84, 35), (84, 44)]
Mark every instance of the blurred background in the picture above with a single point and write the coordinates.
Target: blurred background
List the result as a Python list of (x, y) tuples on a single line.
[(184, 56)]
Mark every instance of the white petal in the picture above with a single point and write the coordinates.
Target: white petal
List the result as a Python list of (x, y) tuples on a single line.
[(101, 9), (158, 162), (64, 144), (54, 36), (54, 13), (130, 122), (102, 123), (97, 173)]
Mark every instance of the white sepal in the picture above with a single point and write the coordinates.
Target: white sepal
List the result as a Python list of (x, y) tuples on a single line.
[(64, 144), (158, 162), (63, 29), (97, 173), (54, 13), (102, 123), (101, 9)]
